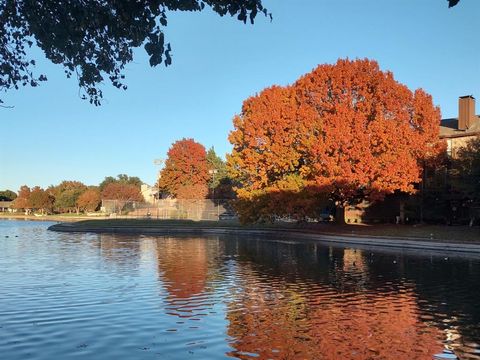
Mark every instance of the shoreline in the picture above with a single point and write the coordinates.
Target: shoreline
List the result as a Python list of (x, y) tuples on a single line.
[(392, 242), (61, 218)]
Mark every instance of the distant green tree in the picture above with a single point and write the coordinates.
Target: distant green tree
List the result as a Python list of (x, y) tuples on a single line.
[(121, 179), (215, 163), (66, 195), (8, 195), (220, 184)]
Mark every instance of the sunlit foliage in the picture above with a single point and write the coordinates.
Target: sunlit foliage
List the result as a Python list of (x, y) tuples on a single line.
[(185, 175), (90, 200), (348, 130), (121, 191)]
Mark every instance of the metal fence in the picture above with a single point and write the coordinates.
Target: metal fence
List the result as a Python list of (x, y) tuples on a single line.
[(170, 209)]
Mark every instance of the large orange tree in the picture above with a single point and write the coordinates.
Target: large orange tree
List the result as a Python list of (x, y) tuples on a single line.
[(349, 131), (185, 175), (269, 158)]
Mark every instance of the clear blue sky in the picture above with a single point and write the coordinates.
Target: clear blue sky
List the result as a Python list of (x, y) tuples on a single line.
[(52, 135)]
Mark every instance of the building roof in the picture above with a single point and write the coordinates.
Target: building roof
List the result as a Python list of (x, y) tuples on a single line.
[(449, 128), (5, 204)]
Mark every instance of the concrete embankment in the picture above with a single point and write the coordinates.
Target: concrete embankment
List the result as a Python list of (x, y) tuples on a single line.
[(290, 234)]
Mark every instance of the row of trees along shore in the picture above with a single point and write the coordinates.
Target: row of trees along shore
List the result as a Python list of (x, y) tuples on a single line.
[(344, 134), (187, 175), (74, 196)]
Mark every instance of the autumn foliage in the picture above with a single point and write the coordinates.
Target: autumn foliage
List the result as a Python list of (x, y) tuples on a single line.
[(121, 191), (33, 199), (66, 195), (71, 195), (349, 131), (185, 175), (90, 200), (21, 202)]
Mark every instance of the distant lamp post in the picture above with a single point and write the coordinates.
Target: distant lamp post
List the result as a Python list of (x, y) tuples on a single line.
[(158, 162), (213, 172)]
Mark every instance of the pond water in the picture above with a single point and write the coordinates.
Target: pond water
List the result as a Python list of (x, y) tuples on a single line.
[(92, 296)]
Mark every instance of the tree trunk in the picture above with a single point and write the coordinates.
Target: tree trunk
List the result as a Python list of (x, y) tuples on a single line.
[(340, 214)]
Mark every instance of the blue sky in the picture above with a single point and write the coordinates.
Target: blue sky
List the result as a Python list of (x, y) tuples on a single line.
[(52, 135)]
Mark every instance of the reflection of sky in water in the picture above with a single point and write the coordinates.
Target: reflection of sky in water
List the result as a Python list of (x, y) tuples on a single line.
[(66, 296)]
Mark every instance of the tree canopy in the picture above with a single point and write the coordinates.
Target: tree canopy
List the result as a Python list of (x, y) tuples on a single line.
[(185, 175), (66, 195), (21, 202), (90, 200), (121, 179), (40, 199), (220, 184), (8, 195), (215, 163), (93, 40), (466, 170), (122, 191), (348, 130)]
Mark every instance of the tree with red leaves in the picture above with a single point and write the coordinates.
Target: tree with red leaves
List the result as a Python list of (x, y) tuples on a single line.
[(21, 202), (185, 175), (124, 192), (90, 200), (348, 130), (40, 200)]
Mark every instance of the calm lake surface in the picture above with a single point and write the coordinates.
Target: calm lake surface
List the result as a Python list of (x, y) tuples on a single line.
[(91, 296)]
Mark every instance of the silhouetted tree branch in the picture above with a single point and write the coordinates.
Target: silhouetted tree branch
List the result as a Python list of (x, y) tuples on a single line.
[(452, 3), (94, 39)]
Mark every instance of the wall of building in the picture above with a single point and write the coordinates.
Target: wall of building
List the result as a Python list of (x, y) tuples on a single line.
[(453, 144)]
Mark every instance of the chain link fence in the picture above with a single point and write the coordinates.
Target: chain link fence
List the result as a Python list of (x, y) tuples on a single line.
[(170, 209)]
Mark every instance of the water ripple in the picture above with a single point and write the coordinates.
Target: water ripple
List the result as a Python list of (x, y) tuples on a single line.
[(87, 296)]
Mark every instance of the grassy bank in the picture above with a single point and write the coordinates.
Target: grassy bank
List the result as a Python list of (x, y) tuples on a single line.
[(420, 232), (57, 217)]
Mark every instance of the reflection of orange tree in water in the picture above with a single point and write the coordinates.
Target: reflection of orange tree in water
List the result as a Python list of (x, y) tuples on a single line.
[(185, 270), (306, 320), (263, 321)]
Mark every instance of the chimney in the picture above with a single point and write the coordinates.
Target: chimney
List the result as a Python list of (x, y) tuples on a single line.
[(466, 112)]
